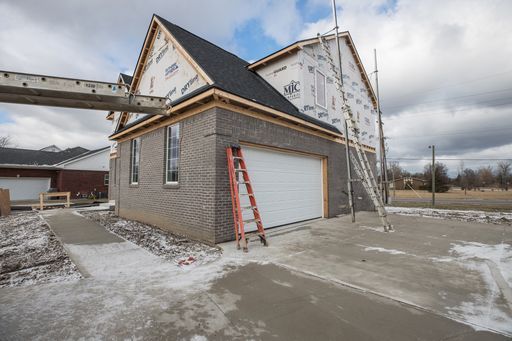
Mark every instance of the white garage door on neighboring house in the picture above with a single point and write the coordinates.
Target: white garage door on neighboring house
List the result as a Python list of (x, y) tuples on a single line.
[(25, 188), (287, 186)]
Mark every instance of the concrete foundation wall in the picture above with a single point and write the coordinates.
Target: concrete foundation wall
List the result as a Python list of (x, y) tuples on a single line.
[(200, 206)]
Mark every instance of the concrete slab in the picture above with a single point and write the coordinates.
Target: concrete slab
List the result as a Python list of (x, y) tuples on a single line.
[(98, 252), (73, 229), (418, 264), (327, 279)]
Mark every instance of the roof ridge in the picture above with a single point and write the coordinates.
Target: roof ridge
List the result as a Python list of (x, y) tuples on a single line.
[(206, 41)]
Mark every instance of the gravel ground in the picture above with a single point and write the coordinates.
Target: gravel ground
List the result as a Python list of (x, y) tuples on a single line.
[(499, 218), (175, 248), (30, 253)]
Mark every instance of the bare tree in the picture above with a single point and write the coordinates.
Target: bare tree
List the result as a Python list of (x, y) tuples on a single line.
[(485, 176), (503, 175), (5, 141)]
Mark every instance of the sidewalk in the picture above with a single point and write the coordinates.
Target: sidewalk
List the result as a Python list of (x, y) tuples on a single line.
[(97, 252)]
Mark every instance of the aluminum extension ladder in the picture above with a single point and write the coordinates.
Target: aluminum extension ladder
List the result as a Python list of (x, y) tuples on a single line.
[(362, 168), (236, 166)]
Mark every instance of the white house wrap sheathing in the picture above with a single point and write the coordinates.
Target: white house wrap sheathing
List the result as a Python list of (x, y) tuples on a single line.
[(167, 73), (298, 75)]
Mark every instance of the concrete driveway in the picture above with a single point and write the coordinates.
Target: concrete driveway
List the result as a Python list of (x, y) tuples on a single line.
[(328, 280)]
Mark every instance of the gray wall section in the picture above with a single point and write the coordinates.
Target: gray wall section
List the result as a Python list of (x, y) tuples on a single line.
[(200, 206), (235, 128), (187, 208)]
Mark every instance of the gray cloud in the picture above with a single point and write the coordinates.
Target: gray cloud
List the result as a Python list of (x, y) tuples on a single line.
[(445, 66), (445, 74)]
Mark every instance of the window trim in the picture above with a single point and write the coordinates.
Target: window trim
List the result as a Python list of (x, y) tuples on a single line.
[(106, 179), (167, 157), (132, 163), (316, 89)]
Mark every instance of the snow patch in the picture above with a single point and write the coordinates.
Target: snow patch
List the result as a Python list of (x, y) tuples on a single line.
[(30, 253), (177, 249), (501, 218), (490, 308), (381, 249)]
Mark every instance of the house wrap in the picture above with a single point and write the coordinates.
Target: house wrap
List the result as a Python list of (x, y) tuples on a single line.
[(282, 110)]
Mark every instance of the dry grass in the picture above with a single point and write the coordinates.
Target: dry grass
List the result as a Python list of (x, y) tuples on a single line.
[(456, 194)]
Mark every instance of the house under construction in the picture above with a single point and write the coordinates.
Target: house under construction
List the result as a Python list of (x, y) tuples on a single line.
[(282, 110)]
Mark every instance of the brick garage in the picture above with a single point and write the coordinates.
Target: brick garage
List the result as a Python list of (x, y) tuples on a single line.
[(219, 100), (200, 206), (74, 181)]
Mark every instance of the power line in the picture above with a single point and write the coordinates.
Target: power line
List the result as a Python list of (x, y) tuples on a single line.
[(425, 113), (457, 84), (449, 98), (426, 158), (458, 132)]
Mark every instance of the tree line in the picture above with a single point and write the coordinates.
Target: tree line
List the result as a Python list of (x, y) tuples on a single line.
[(497, 176)]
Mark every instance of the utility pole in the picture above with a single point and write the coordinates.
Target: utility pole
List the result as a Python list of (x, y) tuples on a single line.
[(433, 170), (347, 145), (382, 146)]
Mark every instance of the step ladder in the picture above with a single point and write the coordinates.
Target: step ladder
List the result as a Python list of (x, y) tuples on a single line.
[(237, 167), (361, 164)]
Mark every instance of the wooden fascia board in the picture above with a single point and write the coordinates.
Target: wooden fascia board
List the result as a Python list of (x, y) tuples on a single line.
[(166, 121), (275, 112), (258, 111), (282, 53), (362, 70), (172, 111)]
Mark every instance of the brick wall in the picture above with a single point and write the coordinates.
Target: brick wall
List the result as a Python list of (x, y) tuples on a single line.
[(235, 128), (32, 173), (80, 183), (64, 180), (188, 208), (200, 206)]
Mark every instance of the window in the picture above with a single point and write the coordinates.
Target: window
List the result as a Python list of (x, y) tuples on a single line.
[(320, 89), (172, 154), (105, 179), (135, 160)]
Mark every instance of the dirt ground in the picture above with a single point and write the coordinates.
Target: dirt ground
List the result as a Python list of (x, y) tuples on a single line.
[(30, 253), (455, 194)]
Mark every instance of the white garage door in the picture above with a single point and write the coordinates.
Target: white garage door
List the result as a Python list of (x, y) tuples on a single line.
[(287, 187), (25, 188)]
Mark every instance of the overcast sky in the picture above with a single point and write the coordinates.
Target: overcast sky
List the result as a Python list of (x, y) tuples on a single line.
[(445, 67)]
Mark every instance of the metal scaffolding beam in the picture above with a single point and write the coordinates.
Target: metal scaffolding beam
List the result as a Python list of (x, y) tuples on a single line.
[(33, 89)]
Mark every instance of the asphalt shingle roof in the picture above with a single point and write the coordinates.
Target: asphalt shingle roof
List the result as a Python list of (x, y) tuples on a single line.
[(16, 156), (230, 73), (127, 79)]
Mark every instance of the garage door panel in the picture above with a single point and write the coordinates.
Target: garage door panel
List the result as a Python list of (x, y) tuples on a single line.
[(288, 187), (25, 188)]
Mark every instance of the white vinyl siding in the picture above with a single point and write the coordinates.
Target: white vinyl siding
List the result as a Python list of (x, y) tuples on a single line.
[(172, 154), (287, 186), (135, 161), (320, 89)]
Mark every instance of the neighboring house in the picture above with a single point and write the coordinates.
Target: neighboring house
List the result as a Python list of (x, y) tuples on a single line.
[(26, 172), (283, 111), (408, 183)]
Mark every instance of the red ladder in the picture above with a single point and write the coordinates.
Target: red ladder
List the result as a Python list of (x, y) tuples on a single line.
[(236, 165)]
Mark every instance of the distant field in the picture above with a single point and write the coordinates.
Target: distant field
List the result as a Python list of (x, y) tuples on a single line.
[(456, 194)]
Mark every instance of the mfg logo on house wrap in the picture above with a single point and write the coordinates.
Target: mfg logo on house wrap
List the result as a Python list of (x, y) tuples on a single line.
[(171, 70), (189, 84), (170, 93), (162, 53), (292, 90)]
